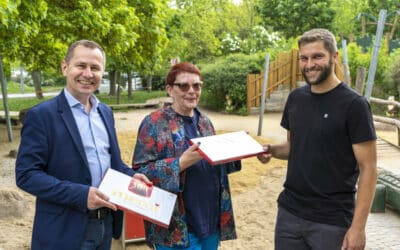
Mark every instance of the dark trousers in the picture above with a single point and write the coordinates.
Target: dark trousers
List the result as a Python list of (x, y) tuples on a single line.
[(98, 234), (292, 232)]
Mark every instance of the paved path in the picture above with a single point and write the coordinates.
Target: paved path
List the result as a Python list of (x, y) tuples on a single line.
[(388, 157), (28, 95), (383, 229)]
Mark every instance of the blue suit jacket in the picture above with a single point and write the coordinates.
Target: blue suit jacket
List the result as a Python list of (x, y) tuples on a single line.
[(52, 165)]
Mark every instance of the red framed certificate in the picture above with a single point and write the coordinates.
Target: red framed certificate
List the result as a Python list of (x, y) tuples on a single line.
[(228, 147)]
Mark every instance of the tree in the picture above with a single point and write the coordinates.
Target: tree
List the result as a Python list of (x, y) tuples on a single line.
[(292, 17), (112, 25), (193, 29), (152, 38), (346, 22), (20, 22), (392, 15)]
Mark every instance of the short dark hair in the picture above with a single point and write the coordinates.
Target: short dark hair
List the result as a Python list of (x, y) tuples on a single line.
[(181, 68), (85, 43), (316, 35)]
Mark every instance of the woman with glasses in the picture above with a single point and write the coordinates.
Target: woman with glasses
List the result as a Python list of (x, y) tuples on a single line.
[(203, 214)]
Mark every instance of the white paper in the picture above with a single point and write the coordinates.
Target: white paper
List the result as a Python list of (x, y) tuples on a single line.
[(228, 147), (156, 208)]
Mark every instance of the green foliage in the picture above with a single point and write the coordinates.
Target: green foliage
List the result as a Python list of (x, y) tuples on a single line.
[(142, 36), (358, 59), (259, 40), (196, 29), (345, 21), (194, 35), (19, 20), (14, 88), (152, 39), (293, 17), (392, 76), (371, 9), (226, 79), (374, 6)]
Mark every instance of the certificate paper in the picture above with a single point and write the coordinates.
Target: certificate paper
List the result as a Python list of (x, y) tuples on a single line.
[(150, 202), (228, 147)]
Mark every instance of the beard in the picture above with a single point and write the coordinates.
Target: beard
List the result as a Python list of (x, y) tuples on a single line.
[(324, 73)]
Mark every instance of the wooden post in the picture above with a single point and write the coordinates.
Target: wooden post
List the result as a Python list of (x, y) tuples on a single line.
[(295, 65), (398, 136), (362, 26), (393, 26), (248, 93), (360, 80)]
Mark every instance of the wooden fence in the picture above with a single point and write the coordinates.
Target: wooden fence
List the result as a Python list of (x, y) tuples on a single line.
[(283, 71), (387, 120)]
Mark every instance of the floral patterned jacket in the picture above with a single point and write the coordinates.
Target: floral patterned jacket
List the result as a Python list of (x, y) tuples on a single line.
[(160, 142)]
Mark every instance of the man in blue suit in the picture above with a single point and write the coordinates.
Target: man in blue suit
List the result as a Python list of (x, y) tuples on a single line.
[(67, 145)]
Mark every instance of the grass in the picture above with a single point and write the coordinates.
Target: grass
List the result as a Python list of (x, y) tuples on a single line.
[(23, 103), (138, 96), (14, 88)]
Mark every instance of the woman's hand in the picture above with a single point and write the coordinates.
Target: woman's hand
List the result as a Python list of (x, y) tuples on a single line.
[(190, 157), (143, 178)]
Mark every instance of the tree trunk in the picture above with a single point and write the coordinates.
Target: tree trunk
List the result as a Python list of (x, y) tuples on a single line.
[(112, 75), (37, 84), (129, 74), (149, 82)]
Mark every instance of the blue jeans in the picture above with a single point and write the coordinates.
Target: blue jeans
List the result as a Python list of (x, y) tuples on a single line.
[(292, 232), (209, 243), (98, 234)]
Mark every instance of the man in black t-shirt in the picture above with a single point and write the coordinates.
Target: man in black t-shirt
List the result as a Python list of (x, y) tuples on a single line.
[(331, 144)]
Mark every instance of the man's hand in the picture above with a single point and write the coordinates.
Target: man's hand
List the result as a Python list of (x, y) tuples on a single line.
[(354, 240), (97, 199), (265, 157)]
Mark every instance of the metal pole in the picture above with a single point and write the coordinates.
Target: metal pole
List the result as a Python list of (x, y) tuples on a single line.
[(374, 59), (346, 62), (264, 89), (5, 101)]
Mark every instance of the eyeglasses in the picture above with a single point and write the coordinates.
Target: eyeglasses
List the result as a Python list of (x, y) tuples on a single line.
[(185, 86)]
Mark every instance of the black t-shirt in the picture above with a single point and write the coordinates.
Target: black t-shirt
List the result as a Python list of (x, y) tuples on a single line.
[(322, 169)]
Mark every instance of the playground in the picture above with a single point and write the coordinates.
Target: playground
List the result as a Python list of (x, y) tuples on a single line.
[(254, 189)]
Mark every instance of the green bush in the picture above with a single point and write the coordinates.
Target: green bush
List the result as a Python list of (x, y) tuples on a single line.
[(387, 75), (392, 75), (225, 81), (358, 59)]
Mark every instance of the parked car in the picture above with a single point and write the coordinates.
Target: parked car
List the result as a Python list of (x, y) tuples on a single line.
[(104, 86), (137, 83)]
